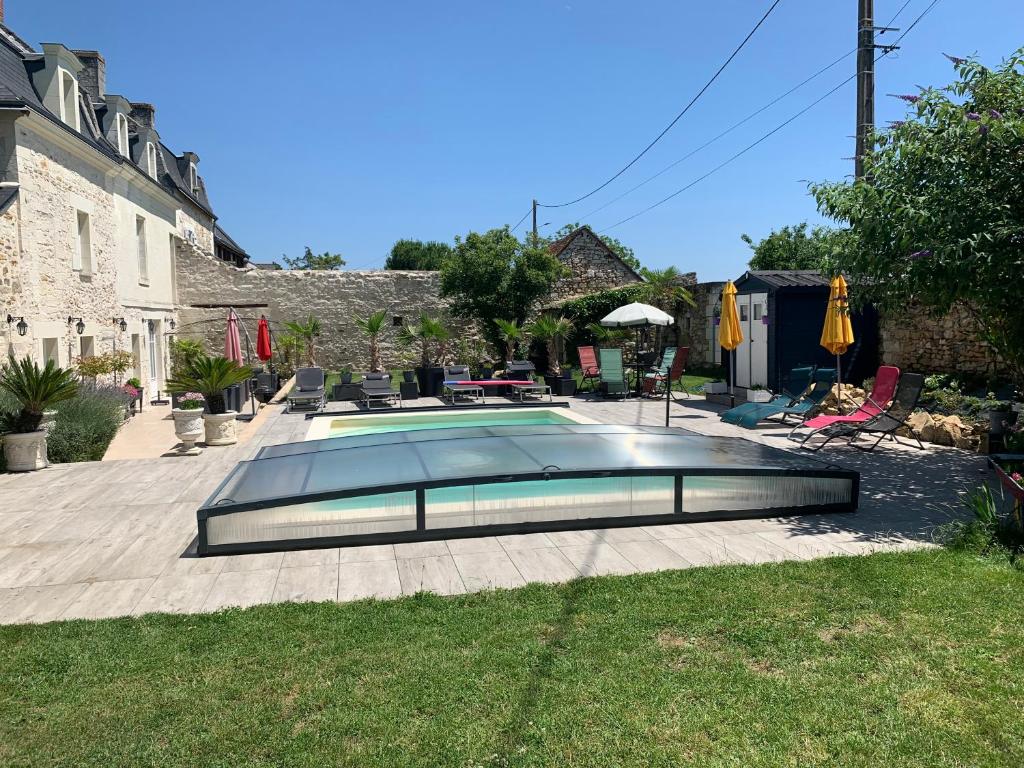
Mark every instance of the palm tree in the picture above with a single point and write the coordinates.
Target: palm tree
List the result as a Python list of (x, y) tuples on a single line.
[(210, 376), (551, 330), (308, 331), (662, 288), (429, 333), (373, 326), (511, 333), (608, 336), (35, 390)]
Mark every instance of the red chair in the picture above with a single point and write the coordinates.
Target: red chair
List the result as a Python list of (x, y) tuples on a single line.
[(886, 379), (589, 366)]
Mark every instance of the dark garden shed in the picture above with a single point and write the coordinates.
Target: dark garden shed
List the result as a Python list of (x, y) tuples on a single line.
[(782, 314)]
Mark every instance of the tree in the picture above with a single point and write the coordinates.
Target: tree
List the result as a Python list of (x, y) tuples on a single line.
[(415, 254), (551, 330), (793, 248), (511, 333), (663, 289), (373, 326), (310, 260), (492, 276), (309, 332), (941, 221), (430, 334), (624, 252)]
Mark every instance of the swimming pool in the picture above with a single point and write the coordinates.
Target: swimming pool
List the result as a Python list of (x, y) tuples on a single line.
[(378, 423)]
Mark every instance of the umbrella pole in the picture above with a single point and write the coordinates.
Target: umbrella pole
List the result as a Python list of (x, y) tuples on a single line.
[(839, 383), (732, 380)]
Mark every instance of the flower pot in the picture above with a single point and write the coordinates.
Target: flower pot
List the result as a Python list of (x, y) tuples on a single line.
[(561, 386), (188, 427), (998, 421), (25, 451), (716, 388), (431, 381), (758, 396), (486, 372), (220, 428), (346, 378), (409, 376)]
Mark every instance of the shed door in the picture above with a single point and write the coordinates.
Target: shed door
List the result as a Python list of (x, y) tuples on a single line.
[(752, 354)]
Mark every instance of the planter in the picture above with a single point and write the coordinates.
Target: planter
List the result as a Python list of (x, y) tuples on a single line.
[(431, 381), (486, 372), (758, 396), (1005, 464), (220, 428), (188, 427), (561, 386), (716, 388), (346, 378), (408, 376), (998, 421), (25, 451)]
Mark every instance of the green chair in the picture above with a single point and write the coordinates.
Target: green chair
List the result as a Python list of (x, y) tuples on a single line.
[(613, 374)]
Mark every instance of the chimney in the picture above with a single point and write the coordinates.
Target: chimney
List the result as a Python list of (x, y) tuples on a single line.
[(142, 113), (93, 77)]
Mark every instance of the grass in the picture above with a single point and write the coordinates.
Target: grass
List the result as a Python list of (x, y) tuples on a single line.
[(913, 659)]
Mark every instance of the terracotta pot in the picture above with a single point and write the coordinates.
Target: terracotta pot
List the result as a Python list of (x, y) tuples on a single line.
[(188, 426), (25, 451), (220, 428)]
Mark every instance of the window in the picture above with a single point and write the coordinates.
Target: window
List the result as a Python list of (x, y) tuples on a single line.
[(51, 351), (151, 159), (81, 256), (68, 99), (86, 346), (140, 246), (743, 313), (137, 353), (193, 177), (757, 311), (122, 134)]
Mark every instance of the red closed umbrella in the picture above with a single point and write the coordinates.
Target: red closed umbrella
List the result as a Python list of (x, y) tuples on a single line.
[(263, 340), (232, 341)]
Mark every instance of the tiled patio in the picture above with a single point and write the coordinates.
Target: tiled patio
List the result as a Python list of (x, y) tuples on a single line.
[(110, 539)]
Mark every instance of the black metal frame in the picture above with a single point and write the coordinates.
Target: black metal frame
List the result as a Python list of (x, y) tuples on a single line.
[(440, 408), (421, 533)]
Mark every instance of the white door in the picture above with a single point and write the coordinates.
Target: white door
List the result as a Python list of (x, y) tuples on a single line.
[(752, 353), (154, 357)]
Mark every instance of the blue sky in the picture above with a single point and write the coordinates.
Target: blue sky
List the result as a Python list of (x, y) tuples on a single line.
[(345, 126)]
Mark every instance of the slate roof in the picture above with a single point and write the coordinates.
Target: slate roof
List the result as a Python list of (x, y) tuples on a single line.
[(7, 194), (788, 278), (220, 236)]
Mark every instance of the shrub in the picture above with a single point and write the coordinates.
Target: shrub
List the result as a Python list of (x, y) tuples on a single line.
[(86, 424), (993, 530)]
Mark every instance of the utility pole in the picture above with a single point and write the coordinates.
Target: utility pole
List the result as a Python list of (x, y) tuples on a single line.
[(534, 221), (865, 82)]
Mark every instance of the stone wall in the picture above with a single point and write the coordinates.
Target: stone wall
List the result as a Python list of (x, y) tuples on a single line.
[(337, 298), (592, 268), (696, 323), (916, 341)]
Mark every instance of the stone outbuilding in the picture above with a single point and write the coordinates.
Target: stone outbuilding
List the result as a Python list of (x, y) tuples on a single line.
[(592, 266)]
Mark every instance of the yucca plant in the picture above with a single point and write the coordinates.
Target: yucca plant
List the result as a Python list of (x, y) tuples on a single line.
[(309, 332), (551, 330), (373, 326), (210, 376), (511, 333), (35, 389), (429, 333)]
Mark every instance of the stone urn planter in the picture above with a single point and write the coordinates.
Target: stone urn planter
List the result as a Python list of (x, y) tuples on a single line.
[(25, 451), (188, 427), (220, 428)]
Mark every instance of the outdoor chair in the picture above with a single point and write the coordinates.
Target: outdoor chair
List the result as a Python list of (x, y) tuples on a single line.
[(886, 379), (613, 374), (658, 372), (308, 391), (793, 388), (889, 421), (673, 363), (524, 370), (376, 388), (588, 365), (453, 375), (821, 385)]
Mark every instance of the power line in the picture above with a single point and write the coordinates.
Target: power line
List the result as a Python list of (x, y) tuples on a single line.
[(528, 212), (772, 132), (677, 117)]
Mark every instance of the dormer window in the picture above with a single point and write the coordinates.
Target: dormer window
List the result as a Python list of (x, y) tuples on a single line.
[(193, 178), (69, 99), (122, 134), (151, 159)]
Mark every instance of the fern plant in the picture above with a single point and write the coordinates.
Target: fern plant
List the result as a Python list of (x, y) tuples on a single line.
[(210, 376), (373, 326), (35, 389)]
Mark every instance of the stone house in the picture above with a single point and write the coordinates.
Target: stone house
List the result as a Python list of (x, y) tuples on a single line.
[(592, 266), (95, 209)]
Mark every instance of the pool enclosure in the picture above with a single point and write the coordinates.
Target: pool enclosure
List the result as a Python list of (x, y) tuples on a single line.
[(446, 483)]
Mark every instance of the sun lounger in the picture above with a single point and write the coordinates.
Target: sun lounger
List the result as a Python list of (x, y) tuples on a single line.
[(588, 365), (886, 379), (793, 388), (519, 371), (458, 381), (376, 388), (308, 391), (613, 374), (821, 385), (889, 421)]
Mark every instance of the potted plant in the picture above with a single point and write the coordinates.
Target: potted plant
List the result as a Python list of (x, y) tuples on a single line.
[(183, 352), (35, 390), (345, 375), (373, 326), (136, 385), (119, 361), (1000, 416), (210, 376), (551, 331), (188, 422), (758, 394), (308, 331), (513, 335), (430, 334)]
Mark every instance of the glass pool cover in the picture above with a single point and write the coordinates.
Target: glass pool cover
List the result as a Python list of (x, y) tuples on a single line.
[(445, 483)]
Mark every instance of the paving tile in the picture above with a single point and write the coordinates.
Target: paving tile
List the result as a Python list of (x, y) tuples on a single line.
[(241, 589), (307, 583), (703, 550), (430, 574), (488, 570), (525, 541), (106, 599), (754, 548), (176, 594), (599, 559), (421, 549), (672, 531), (804, 547), (547, 565), (305, 557), (474, 546), (575, 538), (39, 604), (261, 561), (375, 552), (374, 578), (625, 534), (650, 555), (192, 564)]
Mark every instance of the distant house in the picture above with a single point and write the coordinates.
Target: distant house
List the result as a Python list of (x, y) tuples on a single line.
[(592, 265)]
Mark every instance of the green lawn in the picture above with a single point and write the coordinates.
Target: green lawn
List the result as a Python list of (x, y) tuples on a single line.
[(903, 659)]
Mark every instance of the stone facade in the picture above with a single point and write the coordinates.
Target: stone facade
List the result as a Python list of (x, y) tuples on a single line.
[(696, 324), (208, 286), (592, 266)]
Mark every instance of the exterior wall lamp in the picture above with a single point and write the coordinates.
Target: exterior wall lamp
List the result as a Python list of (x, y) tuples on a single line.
[(79, 326), (171, 323), (22, 326), (120, 323)]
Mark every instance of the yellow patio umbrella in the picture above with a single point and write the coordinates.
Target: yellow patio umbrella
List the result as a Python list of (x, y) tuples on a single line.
[(837, 335), (729, 332)]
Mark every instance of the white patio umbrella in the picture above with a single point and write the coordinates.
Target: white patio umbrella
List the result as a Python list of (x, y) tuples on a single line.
[(637, 315)]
